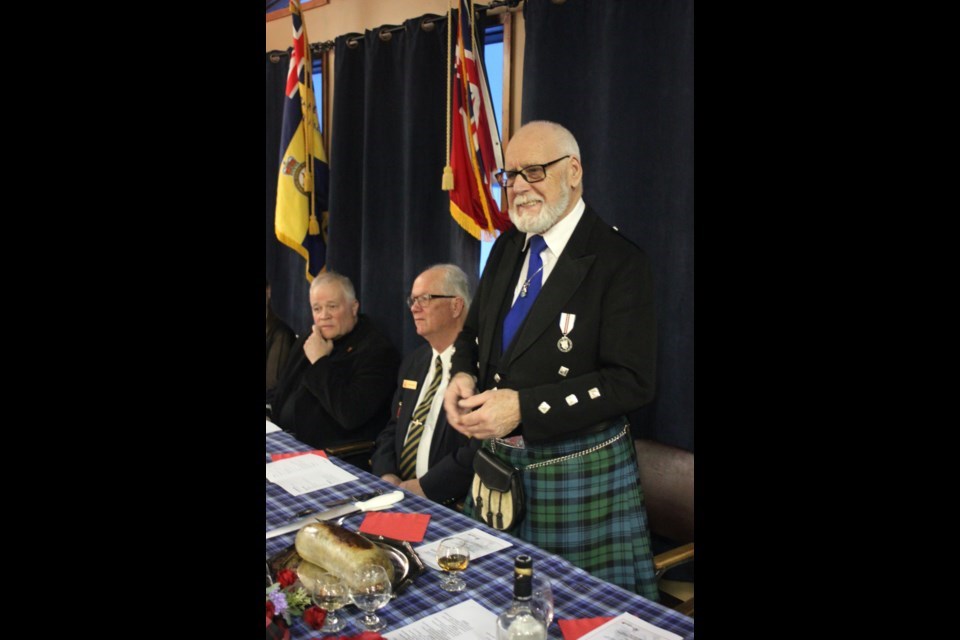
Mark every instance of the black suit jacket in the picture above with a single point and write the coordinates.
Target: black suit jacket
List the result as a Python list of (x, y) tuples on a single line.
[(343, 397), (451, 453), (604, 280)]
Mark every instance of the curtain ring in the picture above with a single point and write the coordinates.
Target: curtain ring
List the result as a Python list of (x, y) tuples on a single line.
[(558, 1), (385, 36), (353, 44), (274, 58)]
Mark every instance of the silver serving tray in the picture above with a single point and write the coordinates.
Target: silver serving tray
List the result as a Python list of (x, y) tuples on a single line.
[(406, 563)]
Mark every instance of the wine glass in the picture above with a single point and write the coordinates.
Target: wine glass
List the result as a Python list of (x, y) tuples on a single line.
[(330, 594), (541, 600), (370, 590), (453, 556)]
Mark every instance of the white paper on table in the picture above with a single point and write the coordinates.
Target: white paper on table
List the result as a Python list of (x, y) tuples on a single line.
[(302, 474), (465, 621), (629, 627), (480, 543), (271, 427)]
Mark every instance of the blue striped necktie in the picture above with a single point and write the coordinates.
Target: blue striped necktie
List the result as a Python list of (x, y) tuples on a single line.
[(408, 457), (528, 292)]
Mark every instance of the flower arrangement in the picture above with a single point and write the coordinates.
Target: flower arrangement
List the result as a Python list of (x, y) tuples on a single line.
[(287, 598)]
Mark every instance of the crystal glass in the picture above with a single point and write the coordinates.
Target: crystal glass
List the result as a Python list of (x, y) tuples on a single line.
[(330, 594), (541, 600), (370, 590), (453, 556)]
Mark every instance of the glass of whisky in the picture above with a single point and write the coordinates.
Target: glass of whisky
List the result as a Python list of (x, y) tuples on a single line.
[(453, 556)]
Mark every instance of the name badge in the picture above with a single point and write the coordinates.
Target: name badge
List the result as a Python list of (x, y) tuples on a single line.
[(410, 384)]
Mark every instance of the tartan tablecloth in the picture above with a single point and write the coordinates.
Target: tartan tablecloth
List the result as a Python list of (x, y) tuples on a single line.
[(489, 579)]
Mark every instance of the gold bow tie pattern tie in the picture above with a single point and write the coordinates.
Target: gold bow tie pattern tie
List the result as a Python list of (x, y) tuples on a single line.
[(408, 457)]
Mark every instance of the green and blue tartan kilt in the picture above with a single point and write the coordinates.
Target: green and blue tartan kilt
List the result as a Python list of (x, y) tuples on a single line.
[(589, 509)]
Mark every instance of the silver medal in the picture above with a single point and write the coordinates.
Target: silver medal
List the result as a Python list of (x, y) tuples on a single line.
[(567, 321)]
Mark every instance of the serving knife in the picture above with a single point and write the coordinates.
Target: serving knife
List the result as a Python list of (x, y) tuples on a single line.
[(336, 503), (379, 502)]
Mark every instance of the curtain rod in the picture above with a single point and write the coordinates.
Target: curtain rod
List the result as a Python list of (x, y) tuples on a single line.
[(494, 8)]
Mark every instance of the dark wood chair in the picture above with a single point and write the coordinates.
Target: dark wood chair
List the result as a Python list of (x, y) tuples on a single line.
[(356, 453), (666, 475)]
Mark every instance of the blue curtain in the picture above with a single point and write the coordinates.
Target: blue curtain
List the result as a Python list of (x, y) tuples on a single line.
[(619, 75), (389, 219)]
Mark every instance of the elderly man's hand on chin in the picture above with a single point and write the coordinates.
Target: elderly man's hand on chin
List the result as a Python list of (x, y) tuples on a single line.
[(316, 346)]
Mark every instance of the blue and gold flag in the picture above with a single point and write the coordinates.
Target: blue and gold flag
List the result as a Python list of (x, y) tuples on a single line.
[(303, 180)]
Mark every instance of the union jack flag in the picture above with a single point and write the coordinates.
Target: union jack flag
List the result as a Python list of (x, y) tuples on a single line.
[(302, 181), (475, 154)]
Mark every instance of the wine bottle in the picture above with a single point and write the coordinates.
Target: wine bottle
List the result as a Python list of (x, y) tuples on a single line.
[(519, 621)]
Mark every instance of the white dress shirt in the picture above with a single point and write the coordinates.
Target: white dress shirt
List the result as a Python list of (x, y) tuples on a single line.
[(556, 239)]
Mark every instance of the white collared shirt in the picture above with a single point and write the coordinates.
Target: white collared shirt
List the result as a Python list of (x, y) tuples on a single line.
[(556, 239), (423, 450)]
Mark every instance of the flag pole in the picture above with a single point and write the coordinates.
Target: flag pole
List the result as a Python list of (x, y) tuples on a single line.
[(446, 183)]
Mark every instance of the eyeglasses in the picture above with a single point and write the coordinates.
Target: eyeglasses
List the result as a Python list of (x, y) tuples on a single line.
[(533, 173), (425, 299)]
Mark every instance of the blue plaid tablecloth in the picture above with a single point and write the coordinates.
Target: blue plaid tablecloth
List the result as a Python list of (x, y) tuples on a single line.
[(489, 579)]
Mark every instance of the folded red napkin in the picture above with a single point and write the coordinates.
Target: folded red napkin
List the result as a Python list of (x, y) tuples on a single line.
[(573, 629), (280, 456), (399, 526)]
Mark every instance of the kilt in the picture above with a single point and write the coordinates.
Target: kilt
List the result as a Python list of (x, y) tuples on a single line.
[(588, 509)]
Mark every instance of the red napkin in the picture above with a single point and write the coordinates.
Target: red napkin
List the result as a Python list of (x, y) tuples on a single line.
[(573, 629), (280, 456), (399, 526)]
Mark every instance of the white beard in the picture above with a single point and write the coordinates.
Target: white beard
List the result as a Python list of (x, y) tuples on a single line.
[(546, 218)]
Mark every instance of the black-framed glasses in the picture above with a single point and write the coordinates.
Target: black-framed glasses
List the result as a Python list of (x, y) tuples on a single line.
[(533, 173), (425, 299)]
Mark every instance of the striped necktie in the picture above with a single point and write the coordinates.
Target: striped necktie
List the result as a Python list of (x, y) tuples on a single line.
[(408, 457)]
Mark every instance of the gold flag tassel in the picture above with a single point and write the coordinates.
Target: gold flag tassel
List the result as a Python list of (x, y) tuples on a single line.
[(447, 182)]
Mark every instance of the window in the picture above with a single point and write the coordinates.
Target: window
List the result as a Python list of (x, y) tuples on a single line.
[(318, 87), (493, 64)]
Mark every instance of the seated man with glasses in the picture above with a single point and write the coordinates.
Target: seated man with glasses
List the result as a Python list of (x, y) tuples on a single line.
[(335, 388), (417, 450)]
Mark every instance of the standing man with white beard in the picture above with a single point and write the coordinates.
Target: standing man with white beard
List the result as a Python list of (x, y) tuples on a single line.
[(558, 346)]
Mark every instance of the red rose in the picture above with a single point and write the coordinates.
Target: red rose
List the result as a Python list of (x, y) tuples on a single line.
[(269, 610), (286, 577), (314, 617)]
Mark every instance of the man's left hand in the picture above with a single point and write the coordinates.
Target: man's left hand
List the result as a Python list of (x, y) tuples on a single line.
[(413, 486), (497, 413)]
